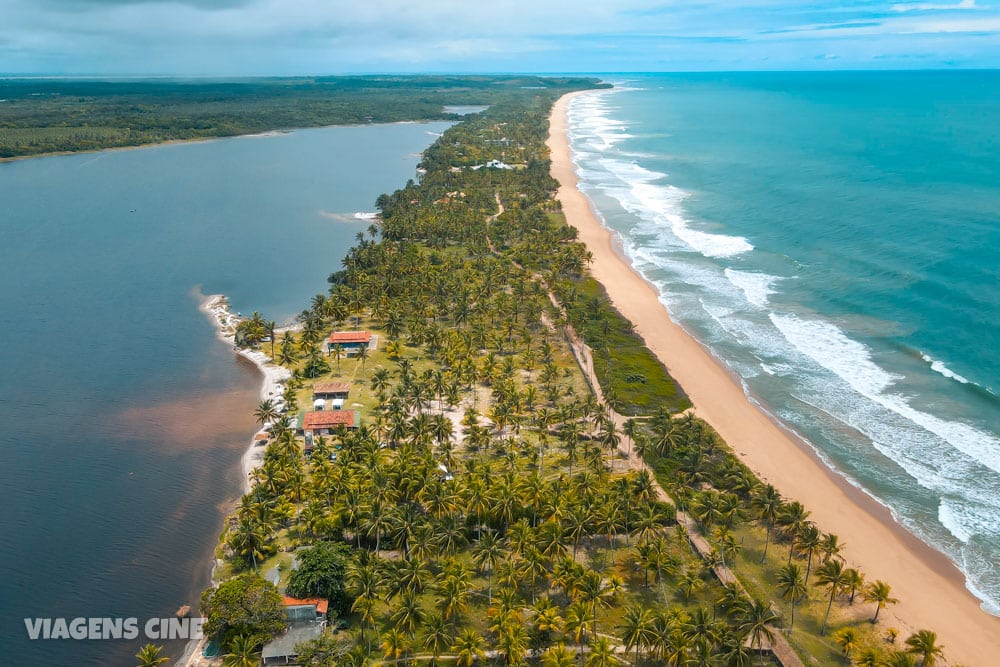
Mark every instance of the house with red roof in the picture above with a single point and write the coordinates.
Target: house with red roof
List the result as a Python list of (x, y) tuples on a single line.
[(305, 609), (349, 341), (325, 422)]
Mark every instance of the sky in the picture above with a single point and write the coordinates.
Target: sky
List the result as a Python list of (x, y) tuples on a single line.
[(305, 37)]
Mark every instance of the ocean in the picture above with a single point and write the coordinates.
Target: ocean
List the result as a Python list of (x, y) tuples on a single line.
[(833, 239), (124, 416)]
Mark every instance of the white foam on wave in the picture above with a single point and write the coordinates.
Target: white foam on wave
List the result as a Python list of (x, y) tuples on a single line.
[(965, 518), (921, 444), (973, 507), (664, 203), (366, 215), (828, 346), (955, 461), (939, 367), (757, 287), (850, 360), (592, 126)]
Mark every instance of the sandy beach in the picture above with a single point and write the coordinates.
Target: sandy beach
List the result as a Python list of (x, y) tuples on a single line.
[(216, 306), (273, 377), (930, 587)]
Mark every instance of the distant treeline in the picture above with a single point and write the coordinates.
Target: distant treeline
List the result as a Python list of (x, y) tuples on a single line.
[(40, 116)]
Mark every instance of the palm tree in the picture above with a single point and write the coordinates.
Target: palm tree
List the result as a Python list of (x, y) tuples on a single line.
[(596, 591), (453, 595), (577, 620), (610, 439), (791, 518), (363, 357), (728, 545), (853, 581), (408, 615), (792, 587), (437, 638), (690, 582), (249, 539), (924, 644), (881, 594), (270, 326), (394, 645), (512, 641), (469, 647), (380, 380), (735, 652), (830, 575), (869, 657), (756, 623), (532, 567), (487, 554), (631, 431), (900, 659), (808, 542), (547, 620), (266, 412), (150, 656), (602, 653), (702, 628), (243, 652), (831, 546), (847, 640), (557, 656), (637, 629)]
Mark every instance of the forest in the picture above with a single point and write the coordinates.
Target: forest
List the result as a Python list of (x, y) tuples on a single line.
[(46, 115)]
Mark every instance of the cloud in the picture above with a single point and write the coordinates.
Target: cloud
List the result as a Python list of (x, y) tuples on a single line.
[(932, 7), (849, 25), (91, 5), (984, 25), (276, 37)]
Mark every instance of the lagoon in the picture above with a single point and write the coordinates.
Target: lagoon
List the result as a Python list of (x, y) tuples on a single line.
[(124, 416)]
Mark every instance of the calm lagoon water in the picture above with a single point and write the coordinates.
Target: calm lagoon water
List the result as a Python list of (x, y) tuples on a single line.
[(124, 416)]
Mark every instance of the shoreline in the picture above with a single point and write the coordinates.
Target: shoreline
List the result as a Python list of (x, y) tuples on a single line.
[(201, 140), (930, 587), (216, 308)]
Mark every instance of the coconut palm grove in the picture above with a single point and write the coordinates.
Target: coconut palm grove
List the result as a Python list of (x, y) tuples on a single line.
[(521, 481)]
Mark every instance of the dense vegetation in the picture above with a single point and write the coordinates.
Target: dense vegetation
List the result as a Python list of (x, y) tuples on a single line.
[(490, 508), (52, 115)]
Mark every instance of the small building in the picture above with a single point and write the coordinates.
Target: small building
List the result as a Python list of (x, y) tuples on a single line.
[(306, 619), (334, 390), (325, 422), (281, 649), (349, 341), (305, 609)]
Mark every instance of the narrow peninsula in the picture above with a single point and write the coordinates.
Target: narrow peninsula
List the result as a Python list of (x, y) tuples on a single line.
[(479, 457)]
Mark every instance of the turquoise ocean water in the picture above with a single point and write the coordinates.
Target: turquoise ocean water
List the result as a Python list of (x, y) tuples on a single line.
[(834, 238), (124, 417)]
